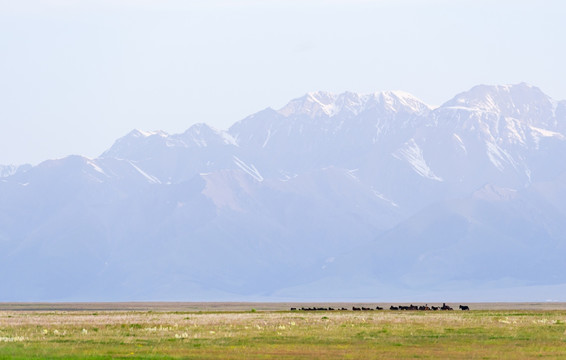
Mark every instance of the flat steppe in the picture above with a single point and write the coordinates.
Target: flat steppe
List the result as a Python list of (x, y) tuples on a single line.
[(271, 331)]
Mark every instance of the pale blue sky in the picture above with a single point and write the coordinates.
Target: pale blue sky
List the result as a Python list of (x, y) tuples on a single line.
[(76, 75)]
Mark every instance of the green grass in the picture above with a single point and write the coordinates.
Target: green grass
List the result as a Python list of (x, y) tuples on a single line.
[(283, 335)]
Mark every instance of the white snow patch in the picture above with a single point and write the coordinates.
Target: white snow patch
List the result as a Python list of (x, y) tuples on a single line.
[(352, 174), (151, 179), (382, 197), (515, 132), (200, 133), (477, 111), (323, 103), (8, 170), (498, 155), (407, 101), (413, 154), (229, 139), (460, 143), (547, 133), (312, 104), (249, 169), (142, 133), (97, 168), (200, 142), (267, 138), (495, 155)]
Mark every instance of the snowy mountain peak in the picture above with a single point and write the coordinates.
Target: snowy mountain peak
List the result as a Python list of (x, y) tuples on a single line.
[(134, 140), (321, 97), (202, 135), (201, 129), (136, 133), (399, 100), (321, 103), (312, 104), (520, 101)]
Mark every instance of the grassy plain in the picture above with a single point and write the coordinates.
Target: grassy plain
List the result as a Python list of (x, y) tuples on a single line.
[(477, 334)]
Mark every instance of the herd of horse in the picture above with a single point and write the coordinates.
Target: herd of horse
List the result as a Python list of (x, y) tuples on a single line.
[(395, 308)]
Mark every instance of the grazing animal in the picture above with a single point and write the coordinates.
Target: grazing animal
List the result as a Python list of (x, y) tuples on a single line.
[(464, 307), (343, 308), (378, 308), (435, 308), (393, 307), (356, 308), (445, 307), (293, 309)]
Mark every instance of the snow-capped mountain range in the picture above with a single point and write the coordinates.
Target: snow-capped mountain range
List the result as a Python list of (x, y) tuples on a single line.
[(333, 196)]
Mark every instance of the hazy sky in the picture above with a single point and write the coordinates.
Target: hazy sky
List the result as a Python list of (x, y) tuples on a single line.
[(77, 74)]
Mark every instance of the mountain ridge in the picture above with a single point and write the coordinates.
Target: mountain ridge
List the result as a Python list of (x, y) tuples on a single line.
[(347, 188)]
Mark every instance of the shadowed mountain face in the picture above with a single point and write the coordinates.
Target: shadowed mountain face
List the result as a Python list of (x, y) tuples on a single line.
[(331, 197)]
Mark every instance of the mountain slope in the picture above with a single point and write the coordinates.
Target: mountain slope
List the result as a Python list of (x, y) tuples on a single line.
[(379, 193)]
